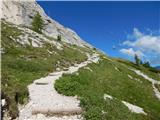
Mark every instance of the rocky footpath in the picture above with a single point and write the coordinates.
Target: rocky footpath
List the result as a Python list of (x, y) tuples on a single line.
[(46, 103)]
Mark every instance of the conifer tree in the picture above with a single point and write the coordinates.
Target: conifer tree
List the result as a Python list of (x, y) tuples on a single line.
[(137, 60), (146, 64), (37, 23)]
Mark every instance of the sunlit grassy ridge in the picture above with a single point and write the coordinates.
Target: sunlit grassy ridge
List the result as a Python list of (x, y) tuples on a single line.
[(151, 72), (90, 87), (23, 64)]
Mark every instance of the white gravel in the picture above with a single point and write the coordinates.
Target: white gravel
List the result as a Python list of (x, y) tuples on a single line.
[(130, 76), (134, 108), (138, 72), (156, 91), (116, 68), (105, 96), (88, 68), (131, 107), (3, 102), (44, 99)]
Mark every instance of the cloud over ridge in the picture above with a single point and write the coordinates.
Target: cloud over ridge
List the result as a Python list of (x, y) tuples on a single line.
[(143, 45)]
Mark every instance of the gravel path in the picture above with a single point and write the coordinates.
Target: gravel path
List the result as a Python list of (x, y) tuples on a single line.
[(153, 81), (131, 107), (44, 99), (134, 108)]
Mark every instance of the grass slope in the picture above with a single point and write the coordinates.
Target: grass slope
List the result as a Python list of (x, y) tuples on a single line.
[(23, 64), (90, 87)]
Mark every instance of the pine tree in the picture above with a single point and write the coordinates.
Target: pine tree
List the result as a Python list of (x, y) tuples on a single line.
[(137, 60), (37, 24), (141, 62), (146, 64)]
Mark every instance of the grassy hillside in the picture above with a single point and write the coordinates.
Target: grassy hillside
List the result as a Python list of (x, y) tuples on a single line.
[(23, 63), (111, 76)]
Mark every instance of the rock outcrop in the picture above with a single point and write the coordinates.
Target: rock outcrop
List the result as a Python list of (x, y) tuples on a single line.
[(21, 12)]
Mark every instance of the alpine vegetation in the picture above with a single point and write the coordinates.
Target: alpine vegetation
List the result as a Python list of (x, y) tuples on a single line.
[(50, 73)]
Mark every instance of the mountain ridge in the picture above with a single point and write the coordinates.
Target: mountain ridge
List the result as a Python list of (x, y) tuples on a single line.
[(157, 67)]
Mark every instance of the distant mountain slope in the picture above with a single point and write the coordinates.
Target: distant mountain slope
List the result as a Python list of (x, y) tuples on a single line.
[(157, 67)]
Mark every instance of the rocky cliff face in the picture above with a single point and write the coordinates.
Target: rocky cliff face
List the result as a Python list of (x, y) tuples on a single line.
[(21, 12)]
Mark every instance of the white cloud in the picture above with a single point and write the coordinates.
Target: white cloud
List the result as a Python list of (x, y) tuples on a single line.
[(137, 33), (128, 43), (146, 45), (131, 52)]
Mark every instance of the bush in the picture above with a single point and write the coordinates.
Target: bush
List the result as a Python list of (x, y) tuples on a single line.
[(66, 85), (94, 113), (94, 48), (59, 38), (146, 64)]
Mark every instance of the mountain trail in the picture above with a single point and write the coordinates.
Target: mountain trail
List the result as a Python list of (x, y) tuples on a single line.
[(46, 103), (153, 81)]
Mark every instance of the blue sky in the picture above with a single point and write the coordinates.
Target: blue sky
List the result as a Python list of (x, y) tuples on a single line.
[(121, 29)]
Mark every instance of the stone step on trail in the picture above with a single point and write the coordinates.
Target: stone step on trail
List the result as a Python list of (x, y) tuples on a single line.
[(56, 112)]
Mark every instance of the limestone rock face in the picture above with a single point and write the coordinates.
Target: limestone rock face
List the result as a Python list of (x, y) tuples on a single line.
[(21, 12)]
